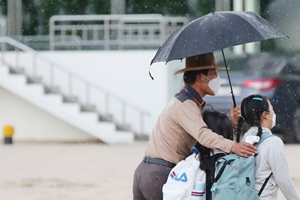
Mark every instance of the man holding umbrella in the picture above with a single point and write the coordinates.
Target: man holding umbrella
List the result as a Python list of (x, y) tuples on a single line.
[(180, 126)]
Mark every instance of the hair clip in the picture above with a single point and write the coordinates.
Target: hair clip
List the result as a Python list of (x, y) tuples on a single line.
[(257, 98)]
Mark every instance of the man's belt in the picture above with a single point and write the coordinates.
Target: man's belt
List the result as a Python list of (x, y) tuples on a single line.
[(158, 161)]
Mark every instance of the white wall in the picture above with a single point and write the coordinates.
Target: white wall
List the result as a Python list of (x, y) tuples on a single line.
[(32, 123), (123, 73)]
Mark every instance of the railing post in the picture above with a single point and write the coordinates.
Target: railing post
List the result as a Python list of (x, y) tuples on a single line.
[(70, 84), (34, 66), (123, 114), (3, 50), (106, 34), (51, 75), (17, 56), (163, 35), (52, 33), (87, 92), (141, 122), (106, 103)]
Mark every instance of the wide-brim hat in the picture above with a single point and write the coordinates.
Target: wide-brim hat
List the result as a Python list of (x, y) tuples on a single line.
[(200, 62)]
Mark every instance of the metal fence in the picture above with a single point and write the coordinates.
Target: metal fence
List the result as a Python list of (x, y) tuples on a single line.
[(109, 32)]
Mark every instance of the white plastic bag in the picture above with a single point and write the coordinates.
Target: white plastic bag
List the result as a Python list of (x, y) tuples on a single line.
[(182, 179)]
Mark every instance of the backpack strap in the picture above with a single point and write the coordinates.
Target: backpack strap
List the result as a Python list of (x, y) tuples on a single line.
[(227, 162), (264, 185), (264, 135)]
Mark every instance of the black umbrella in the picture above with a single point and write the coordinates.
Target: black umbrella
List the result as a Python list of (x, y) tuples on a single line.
[(216, 31)]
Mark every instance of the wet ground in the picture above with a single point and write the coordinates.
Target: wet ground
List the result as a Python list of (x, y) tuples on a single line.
[(45, 171)]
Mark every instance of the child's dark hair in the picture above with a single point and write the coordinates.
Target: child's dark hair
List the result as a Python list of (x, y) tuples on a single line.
[(220, 124), (252, 108)]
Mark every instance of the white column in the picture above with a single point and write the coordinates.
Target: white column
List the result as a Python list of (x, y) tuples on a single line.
[(254, 6), (14, 17), (238, 6)]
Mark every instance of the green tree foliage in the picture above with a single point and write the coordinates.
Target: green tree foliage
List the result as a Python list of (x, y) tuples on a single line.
[(30, 17), (139, 7), (168, 7), (179, 7), (3, 4), (203, 7), (36, 13), (74, 7), (48, 8), (98, 6)]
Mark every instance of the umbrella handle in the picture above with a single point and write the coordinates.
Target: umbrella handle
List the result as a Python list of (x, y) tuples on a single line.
[(231, 91)]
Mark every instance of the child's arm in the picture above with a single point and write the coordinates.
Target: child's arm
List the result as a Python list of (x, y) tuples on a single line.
[(280, 169)]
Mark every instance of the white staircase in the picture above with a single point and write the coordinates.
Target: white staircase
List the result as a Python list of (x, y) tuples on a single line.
[(35, 92)]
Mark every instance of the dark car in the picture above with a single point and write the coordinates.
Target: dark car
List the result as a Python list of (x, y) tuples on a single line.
[(274, 75)]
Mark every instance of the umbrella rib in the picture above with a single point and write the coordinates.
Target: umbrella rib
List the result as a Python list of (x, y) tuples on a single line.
[(182, 28), (253, 26)]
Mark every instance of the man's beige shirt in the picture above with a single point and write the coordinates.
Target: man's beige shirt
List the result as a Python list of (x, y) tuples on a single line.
[(178, 128)]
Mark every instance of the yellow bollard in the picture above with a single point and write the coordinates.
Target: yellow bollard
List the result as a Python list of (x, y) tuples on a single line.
[(8, 132)]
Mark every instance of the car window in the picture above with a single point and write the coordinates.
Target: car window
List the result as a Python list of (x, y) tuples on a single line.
[(292, 68), (235, 64), (265, 65), (256, 64)]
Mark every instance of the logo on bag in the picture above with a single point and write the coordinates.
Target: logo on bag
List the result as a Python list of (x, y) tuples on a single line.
[(234, 166), (178, 177)]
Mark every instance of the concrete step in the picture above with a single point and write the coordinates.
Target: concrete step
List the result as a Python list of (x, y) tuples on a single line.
[(68, 111), (18, 70)]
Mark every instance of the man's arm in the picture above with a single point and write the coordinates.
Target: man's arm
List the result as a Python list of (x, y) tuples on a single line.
[(191, 120)]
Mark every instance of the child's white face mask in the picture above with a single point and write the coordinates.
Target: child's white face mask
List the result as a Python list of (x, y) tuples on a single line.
[(273, 120)]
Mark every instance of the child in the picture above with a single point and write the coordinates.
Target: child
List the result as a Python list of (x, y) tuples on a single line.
[(218, 123), (258, 112)]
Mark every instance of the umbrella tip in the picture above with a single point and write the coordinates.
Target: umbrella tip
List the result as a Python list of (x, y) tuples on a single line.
[(150, 72), (151, 75)]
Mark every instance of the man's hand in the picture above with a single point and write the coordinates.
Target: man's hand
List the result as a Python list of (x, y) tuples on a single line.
[(244, 149), (235, 113)]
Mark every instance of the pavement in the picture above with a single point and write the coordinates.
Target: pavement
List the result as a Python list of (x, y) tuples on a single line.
[(86, 171)]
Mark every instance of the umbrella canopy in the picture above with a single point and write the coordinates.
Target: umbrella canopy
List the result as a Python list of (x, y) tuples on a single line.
[(216, 31)]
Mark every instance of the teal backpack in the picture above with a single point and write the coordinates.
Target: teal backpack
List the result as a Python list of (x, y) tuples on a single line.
[(235, 177)]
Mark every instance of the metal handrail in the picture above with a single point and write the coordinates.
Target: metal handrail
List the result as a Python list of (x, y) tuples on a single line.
[(71, 77), (114, 31)]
